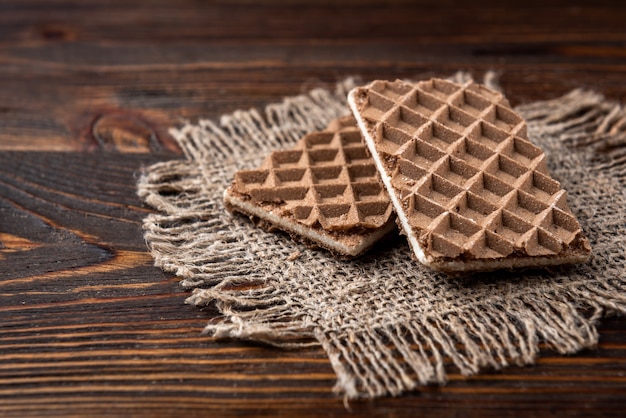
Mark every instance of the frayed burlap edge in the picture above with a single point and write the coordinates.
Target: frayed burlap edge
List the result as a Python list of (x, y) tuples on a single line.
[(400, 355)]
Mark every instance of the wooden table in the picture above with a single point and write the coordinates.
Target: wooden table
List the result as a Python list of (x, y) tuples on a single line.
[(88, 91)]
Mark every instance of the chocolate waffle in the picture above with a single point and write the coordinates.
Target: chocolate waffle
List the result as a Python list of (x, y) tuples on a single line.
[(471, 191), (325, 190)]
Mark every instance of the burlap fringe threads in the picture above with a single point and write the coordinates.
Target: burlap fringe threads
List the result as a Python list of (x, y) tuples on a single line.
[(413, 332)]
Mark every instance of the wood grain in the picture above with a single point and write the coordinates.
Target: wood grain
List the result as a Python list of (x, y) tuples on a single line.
[(88, 327)]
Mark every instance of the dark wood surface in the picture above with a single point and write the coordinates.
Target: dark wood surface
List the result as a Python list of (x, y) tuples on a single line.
[(88, 91)]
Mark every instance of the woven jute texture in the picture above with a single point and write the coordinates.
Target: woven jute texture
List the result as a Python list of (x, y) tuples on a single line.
[(387, 324)]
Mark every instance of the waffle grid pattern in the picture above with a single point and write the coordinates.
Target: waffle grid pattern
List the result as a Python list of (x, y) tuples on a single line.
[(466, 174), (328, 178)]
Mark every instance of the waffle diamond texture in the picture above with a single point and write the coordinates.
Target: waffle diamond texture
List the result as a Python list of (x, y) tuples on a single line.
[(469, 180), (328, 179)]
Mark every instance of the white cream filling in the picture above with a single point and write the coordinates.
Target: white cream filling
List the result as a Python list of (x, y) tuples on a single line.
[(304, 231)]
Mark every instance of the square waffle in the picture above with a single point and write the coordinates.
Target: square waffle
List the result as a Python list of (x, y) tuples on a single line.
[(471, 191), (325, 190)]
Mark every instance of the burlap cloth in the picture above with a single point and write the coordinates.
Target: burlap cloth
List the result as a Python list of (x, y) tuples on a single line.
[(387, 324)]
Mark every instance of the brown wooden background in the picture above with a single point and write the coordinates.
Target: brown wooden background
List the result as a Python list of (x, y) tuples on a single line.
[(88, 90)]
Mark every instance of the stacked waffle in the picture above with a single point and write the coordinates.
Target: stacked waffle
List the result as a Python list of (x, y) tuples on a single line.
[(470, 190), (325, 190)]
